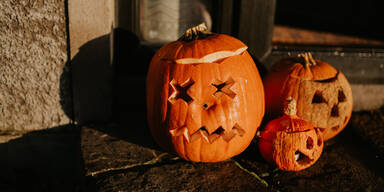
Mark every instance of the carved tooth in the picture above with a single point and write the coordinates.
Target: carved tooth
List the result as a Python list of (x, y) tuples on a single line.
[(238, 130), (180, 131), (173, 132), (186, 135), (213, 137), (195, 136), (177, 131), (216, 134), (229, 136), (204, 134), (297, 155)]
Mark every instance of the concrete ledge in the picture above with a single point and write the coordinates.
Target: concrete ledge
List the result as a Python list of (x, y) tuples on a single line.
[(367, 97), (6, 138)]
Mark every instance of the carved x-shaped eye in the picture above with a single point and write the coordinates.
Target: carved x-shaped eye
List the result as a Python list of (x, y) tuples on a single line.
[(180, 91), (224, 87)]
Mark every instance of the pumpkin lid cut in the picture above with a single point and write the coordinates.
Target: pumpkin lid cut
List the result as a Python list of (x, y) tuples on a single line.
[(305, 67), (289, 122), (198, 45)]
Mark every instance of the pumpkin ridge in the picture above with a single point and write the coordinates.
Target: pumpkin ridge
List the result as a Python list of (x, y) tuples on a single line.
[(177, 52)]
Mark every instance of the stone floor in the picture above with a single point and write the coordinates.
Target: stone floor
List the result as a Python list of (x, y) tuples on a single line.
[(123, 157), (48, 160)]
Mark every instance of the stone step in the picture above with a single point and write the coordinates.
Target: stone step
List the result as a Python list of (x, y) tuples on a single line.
[(125, 158)]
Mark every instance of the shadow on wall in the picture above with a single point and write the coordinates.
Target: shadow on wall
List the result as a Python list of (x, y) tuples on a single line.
[(101, 88), (48, 160), (105, 92), (131, 62), (91, 79)]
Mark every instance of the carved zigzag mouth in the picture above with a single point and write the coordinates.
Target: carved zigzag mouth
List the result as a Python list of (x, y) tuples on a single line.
[(302, 158), (202, 132)]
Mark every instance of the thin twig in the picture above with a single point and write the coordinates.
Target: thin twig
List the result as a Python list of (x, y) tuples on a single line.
[(251, 173), (150, 162)]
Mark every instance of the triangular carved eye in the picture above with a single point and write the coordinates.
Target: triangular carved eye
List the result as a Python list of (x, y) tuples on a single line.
[(309, 143), (224, 87), (318, 98), (341, 96), (180, 91), (335, 111)]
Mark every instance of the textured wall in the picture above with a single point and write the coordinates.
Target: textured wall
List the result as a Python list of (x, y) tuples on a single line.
[(34, 91)]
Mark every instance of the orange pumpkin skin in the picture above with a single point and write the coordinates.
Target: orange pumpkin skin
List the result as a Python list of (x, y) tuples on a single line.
[(292, 144), (207, 111), (323, 94)]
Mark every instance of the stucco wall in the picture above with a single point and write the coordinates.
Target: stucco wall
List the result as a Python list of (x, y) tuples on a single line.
[(34, 79)]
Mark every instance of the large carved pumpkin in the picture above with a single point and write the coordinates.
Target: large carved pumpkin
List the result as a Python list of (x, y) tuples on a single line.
[(323, 94), (205, 98), (291, 143)]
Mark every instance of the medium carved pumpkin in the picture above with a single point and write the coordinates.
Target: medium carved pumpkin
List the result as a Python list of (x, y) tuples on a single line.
[(205, 98), (291, 143), (323, 94)]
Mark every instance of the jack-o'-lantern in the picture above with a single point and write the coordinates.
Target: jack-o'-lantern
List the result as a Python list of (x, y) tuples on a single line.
[(323, 94), (291, 143), (205, 97)]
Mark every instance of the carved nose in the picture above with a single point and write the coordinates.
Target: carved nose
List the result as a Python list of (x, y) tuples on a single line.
[(207, 105)]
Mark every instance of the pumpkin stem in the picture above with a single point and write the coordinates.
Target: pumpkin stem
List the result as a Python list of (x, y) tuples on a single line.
[(308, 59), (290, 107), (196, 32)]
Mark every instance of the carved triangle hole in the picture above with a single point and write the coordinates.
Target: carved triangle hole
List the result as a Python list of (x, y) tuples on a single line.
[(341, 96), (318, 98)]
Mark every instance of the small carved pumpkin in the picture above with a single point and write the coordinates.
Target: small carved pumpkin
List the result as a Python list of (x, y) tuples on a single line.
[(291, 143), (323, 94), (205, 98)]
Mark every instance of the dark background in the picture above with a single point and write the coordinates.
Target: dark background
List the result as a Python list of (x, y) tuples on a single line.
[(351, 17)]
